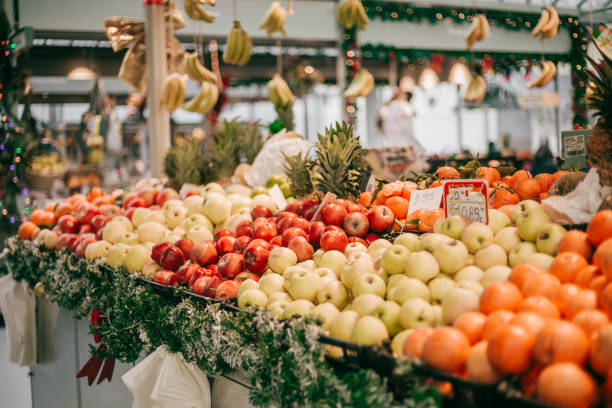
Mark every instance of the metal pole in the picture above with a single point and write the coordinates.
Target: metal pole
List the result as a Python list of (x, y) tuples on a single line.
[(159, 122)]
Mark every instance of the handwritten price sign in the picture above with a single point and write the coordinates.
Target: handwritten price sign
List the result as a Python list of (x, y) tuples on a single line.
[(429, 199), (467, 198)]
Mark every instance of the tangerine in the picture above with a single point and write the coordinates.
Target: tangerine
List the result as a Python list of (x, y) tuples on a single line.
[(446, 349), (560, 341), (500, 295), (472, 324), (576, 241), (510, 348), (566, 385), (566, 266), (600, 227)]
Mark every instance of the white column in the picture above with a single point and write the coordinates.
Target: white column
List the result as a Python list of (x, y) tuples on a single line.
[(158, 125)]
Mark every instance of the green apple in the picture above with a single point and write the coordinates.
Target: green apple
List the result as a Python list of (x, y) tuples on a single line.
[(477, 236), (157, 216), (451, 256), (388, 312), (281, 258), (508, 238), (217, 208), (150, 268), (394, 280), (196, 219), (368, 283), (359, 255), (437, 312), (397, 344), (378, 245), (326, 312), (416, 313), (490, 255), (394, 259), (408, 289), (278, 296), (422, 265), (369, 330), (288, 273), (351, 271), (238, 203), (342, 326), (125, 221), (199, 233), (410, 241), (543, 260), (430, 241), (549, 237), (438, 287), (523, 208), (494, 274), (128, 238), (139, 216), (98, 249), (265, 200), (519, 254), (246, 285), (333, 292), (334, 260), (316, 257), (299, 307), (308, 264), (271, 283), (530, 224), (252, 298), (354, 247), (193, 204), (213, 188), (365, 303), (437, 227), (474, 286), (498, 220), (453, 226), (172, 203), (116, 255), (458, 301), (137, 256), (325, 274), (112, 231), (174, 216), (304, 284), (470, 272)]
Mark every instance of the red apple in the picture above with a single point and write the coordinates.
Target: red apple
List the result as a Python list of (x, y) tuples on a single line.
[(99, 234), (310, 213), (231, 265), (360, 240), (225, 245), (135, 202), (306, 205), (260, 211), (111, 209), (294, 207), (227, 290), (341, 202), (223, 233), (284, 223), (302, 248), (97, 222), (185, 245), (165, 277), (211, 286), (149, 194), (199, 285), (68, 224), (242, 276), (256, 259), (84, 229), (371, 238), (356, 224), (315, 229), (333, 214), (257, 242), (187, 271), (241, 243), (83, 244), (81, 209), (65, 240), (334, 240), (244, 228), (74, 244), (299, 222), (276, 241), (212, 270), (165, 195), (291, 233), (128, 197), (172, 258), (130, 212), (204, 253), (265, 231), (91, 212), (332, 228), (158, 250), (285, 214), (381, 218), (195, 276), (354, 207)]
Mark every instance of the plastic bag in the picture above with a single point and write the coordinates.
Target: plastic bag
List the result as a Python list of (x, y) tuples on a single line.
[(18, 305)]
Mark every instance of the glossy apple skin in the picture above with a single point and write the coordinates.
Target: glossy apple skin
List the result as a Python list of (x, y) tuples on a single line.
[(244, 229), (334, 239), (285, 214), (256, 259), (265, 231), (354, 207), (187, 271), (241, 243), (165, 277), (371, 238), (230, 265), (283, 224), (291, 233), (256, 242), (74, 244), (333, 214), (212, 270), (223, 233), (199, 285), (211, 286), (68, 224), (302, 248), (294, 207), (80, 249), (185, 245), (356, 224), (64, 240), (225, 245), (299, 222), (91, 212), (158, 250), (130, 212), (204, 253), (276, 241), (149, 194), (227, 290), (260, 211), (165, 195), (97, 222), (358, 239), (315, 230), (136, 202), (194, 277), (242, 276), (172, 258), (308, 206), (381, 218), (85, 229)]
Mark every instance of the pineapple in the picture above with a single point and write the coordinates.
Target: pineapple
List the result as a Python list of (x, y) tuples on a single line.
[(599, 145), (285, 115), (339, 162), (297, 168), (181, 164), (220, 153)]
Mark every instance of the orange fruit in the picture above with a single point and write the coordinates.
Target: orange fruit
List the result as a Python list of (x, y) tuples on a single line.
[(398, 205), (586, 275), (519, 176), (501, 295), (566, 385), (94, 193), (494, 321), (521, 273), (559, 173), (447, 172), (545, 180), (586, 299), (598, 284), (605, 300), (576, 241), (36, 216), (63, 209), (560, 341), (600, 227), (365, 198), (429, 218), (501, 197), (26, 230), (566, 266), (413, 216), (601, 350), (50, 207), (488, 173), (446, 349), (413, 345), (543, 284), (602, 258), (590, 321), (478, 366), (472, 324), (529, 321), (564, 296), (541, 306), (510, 348), (527, 189)]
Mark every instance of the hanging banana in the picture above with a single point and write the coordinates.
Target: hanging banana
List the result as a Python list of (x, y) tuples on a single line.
[(196, 71), (195, 11), (361, 85), (173, 92), (274, 20), (238, 46), (476, 90), (549, 70), (351, 13), (478, 30), (548, 24), (205, 100), (278, 91)]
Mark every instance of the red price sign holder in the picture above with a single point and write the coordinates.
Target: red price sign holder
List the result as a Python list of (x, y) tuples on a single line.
[(466, 198)]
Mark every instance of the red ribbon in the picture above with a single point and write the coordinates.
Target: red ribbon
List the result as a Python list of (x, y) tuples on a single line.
[(93, 366), (436, 63)]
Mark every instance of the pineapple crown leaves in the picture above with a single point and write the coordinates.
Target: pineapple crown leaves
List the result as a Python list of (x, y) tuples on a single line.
[(181, 164), (601, 77), (298, 168)]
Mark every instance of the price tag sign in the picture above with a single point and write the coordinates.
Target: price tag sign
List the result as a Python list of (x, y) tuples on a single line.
[(573, 150), (278, 197), (467, 198), (428, 199)]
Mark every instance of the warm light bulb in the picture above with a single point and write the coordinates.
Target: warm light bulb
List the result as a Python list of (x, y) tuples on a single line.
[(428, 79), (459, 74)]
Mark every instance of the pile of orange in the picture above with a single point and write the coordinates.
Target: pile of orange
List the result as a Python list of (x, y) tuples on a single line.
[(520, 186), (551, 329)]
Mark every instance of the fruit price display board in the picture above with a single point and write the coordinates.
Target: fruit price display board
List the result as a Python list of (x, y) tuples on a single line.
[(466, 198)]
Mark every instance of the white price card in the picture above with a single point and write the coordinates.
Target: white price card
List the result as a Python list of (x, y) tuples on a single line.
[(428, 199), (278, 197), (467, 198)]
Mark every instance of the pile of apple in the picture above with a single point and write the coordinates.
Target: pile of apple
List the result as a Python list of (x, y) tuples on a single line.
[(370, 293)]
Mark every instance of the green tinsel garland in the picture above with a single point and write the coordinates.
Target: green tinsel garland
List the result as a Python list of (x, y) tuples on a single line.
[(283, 361)]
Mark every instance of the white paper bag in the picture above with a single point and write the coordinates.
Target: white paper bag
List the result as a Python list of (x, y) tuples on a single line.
[(18, 305), (141, 379)]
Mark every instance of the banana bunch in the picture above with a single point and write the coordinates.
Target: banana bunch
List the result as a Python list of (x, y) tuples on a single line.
[(476, 90), (361, 85), (196, 71), (549, 70), (548, 24), (278, 91), (478, 30), (351, 13), (238, 47), (195, 11), (205, 100), (274, 20), (173, 92)]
